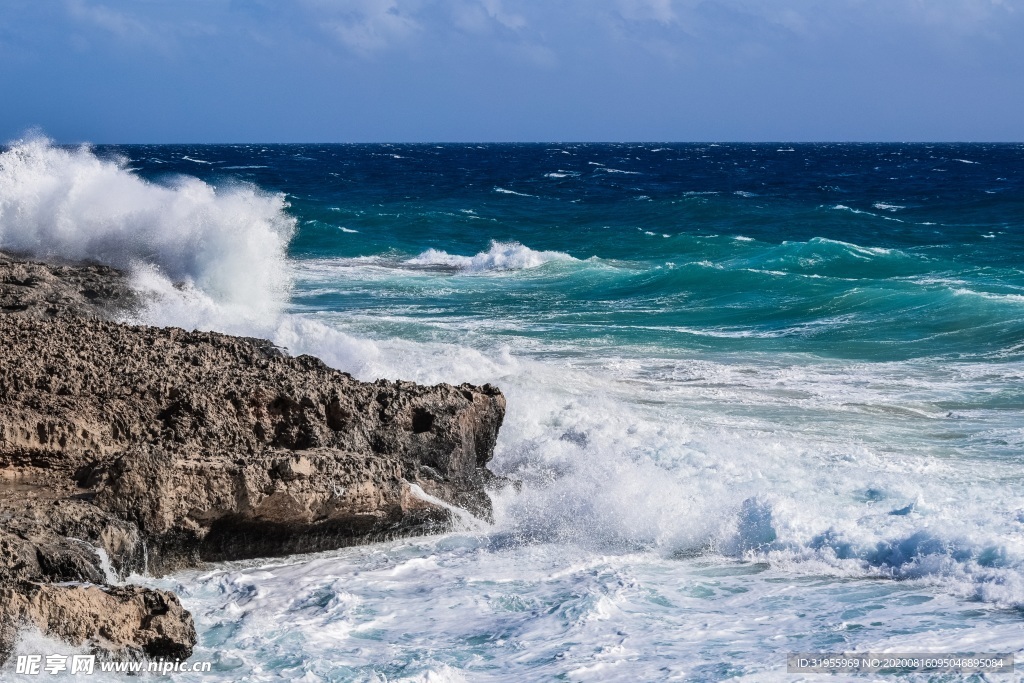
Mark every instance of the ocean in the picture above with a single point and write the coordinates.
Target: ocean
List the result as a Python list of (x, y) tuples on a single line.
[(762, 398)]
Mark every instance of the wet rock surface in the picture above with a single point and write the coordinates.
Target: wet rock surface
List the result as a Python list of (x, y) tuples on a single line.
[(128, 449)]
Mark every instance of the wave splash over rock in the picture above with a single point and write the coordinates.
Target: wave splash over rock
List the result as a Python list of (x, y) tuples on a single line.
[(127, 449), (226, 244)]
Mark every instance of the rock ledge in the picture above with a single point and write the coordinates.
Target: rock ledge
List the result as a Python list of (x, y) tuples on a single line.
[(128, 449)]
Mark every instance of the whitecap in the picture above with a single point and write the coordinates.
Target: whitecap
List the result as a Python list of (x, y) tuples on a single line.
[(843, 207), (855, 248), (963, 291), (500, 257), (502, 190)]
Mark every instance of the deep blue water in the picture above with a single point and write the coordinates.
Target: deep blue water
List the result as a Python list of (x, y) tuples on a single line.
[(808, 248)]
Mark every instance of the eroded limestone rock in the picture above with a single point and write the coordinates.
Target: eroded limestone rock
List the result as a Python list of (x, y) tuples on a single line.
[(128, 448)]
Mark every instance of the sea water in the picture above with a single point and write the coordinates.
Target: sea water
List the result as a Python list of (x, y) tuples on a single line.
[(762, 398)]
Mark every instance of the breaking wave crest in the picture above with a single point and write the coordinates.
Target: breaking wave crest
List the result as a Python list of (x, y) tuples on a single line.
[(500, 256), (226, 245)]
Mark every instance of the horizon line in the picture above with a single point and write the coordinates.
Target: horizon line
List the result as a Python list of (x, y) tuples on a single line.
[(10, 143)]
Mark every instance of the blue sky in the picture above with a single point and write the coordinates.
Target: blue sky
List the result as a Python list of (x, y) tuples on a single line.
[(512, 70)]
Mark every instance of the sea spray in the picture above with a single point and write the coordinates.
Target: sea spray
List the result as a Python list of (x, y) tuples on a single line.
[(227, 242)]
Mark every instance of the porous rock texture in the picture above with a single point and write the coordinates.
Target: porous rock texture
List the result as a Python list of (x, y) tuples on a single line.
[(140, 449), (45, 290)]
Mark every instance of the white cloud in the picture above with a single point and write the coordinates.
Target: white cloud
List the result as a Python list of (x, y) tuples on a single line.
[(162, 34), (661, 11), (122, 25), (483, 16), (366, 26), (471, 17), (961, 16), (497, 13)]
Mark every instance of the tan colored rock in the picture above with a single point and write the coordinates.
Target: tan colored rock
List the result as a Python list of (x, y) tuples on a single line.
[(123, 621), (33, 289), (179, 432), (157, 448)]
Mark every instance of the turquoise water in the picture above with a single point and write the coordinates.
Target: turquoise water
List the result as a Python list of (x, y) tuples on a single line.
[(762, 398)]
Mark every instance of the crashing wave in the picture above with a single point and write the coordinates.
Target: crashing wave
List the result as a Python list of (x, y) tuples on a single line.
[(226, 243)]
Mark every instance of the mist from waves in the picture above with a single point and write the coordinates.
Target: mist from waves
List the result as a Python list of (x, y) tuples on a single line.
[(225, 246)]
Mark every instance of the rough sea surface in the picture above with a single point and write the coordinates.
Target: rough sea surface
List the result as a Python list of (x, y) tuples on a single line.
[(762, 398)]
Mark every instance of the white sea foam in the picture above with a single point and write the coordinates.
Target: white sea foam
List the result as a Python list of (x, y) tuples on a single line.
[(843, 207), (500, 256), (661, 503), (993, 296), (626, 455), (854, 249), (223, 244), (502, 190), (888, 207)]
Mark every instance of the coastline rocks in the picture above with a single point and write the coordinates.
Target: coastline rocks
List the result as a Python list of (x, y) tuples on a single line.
[(41, 290), (138, 449), (122, 622)]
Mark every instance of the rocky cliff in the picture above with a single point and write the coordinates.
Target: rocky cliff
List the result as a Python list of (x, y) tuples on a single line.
[(137, 449)]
